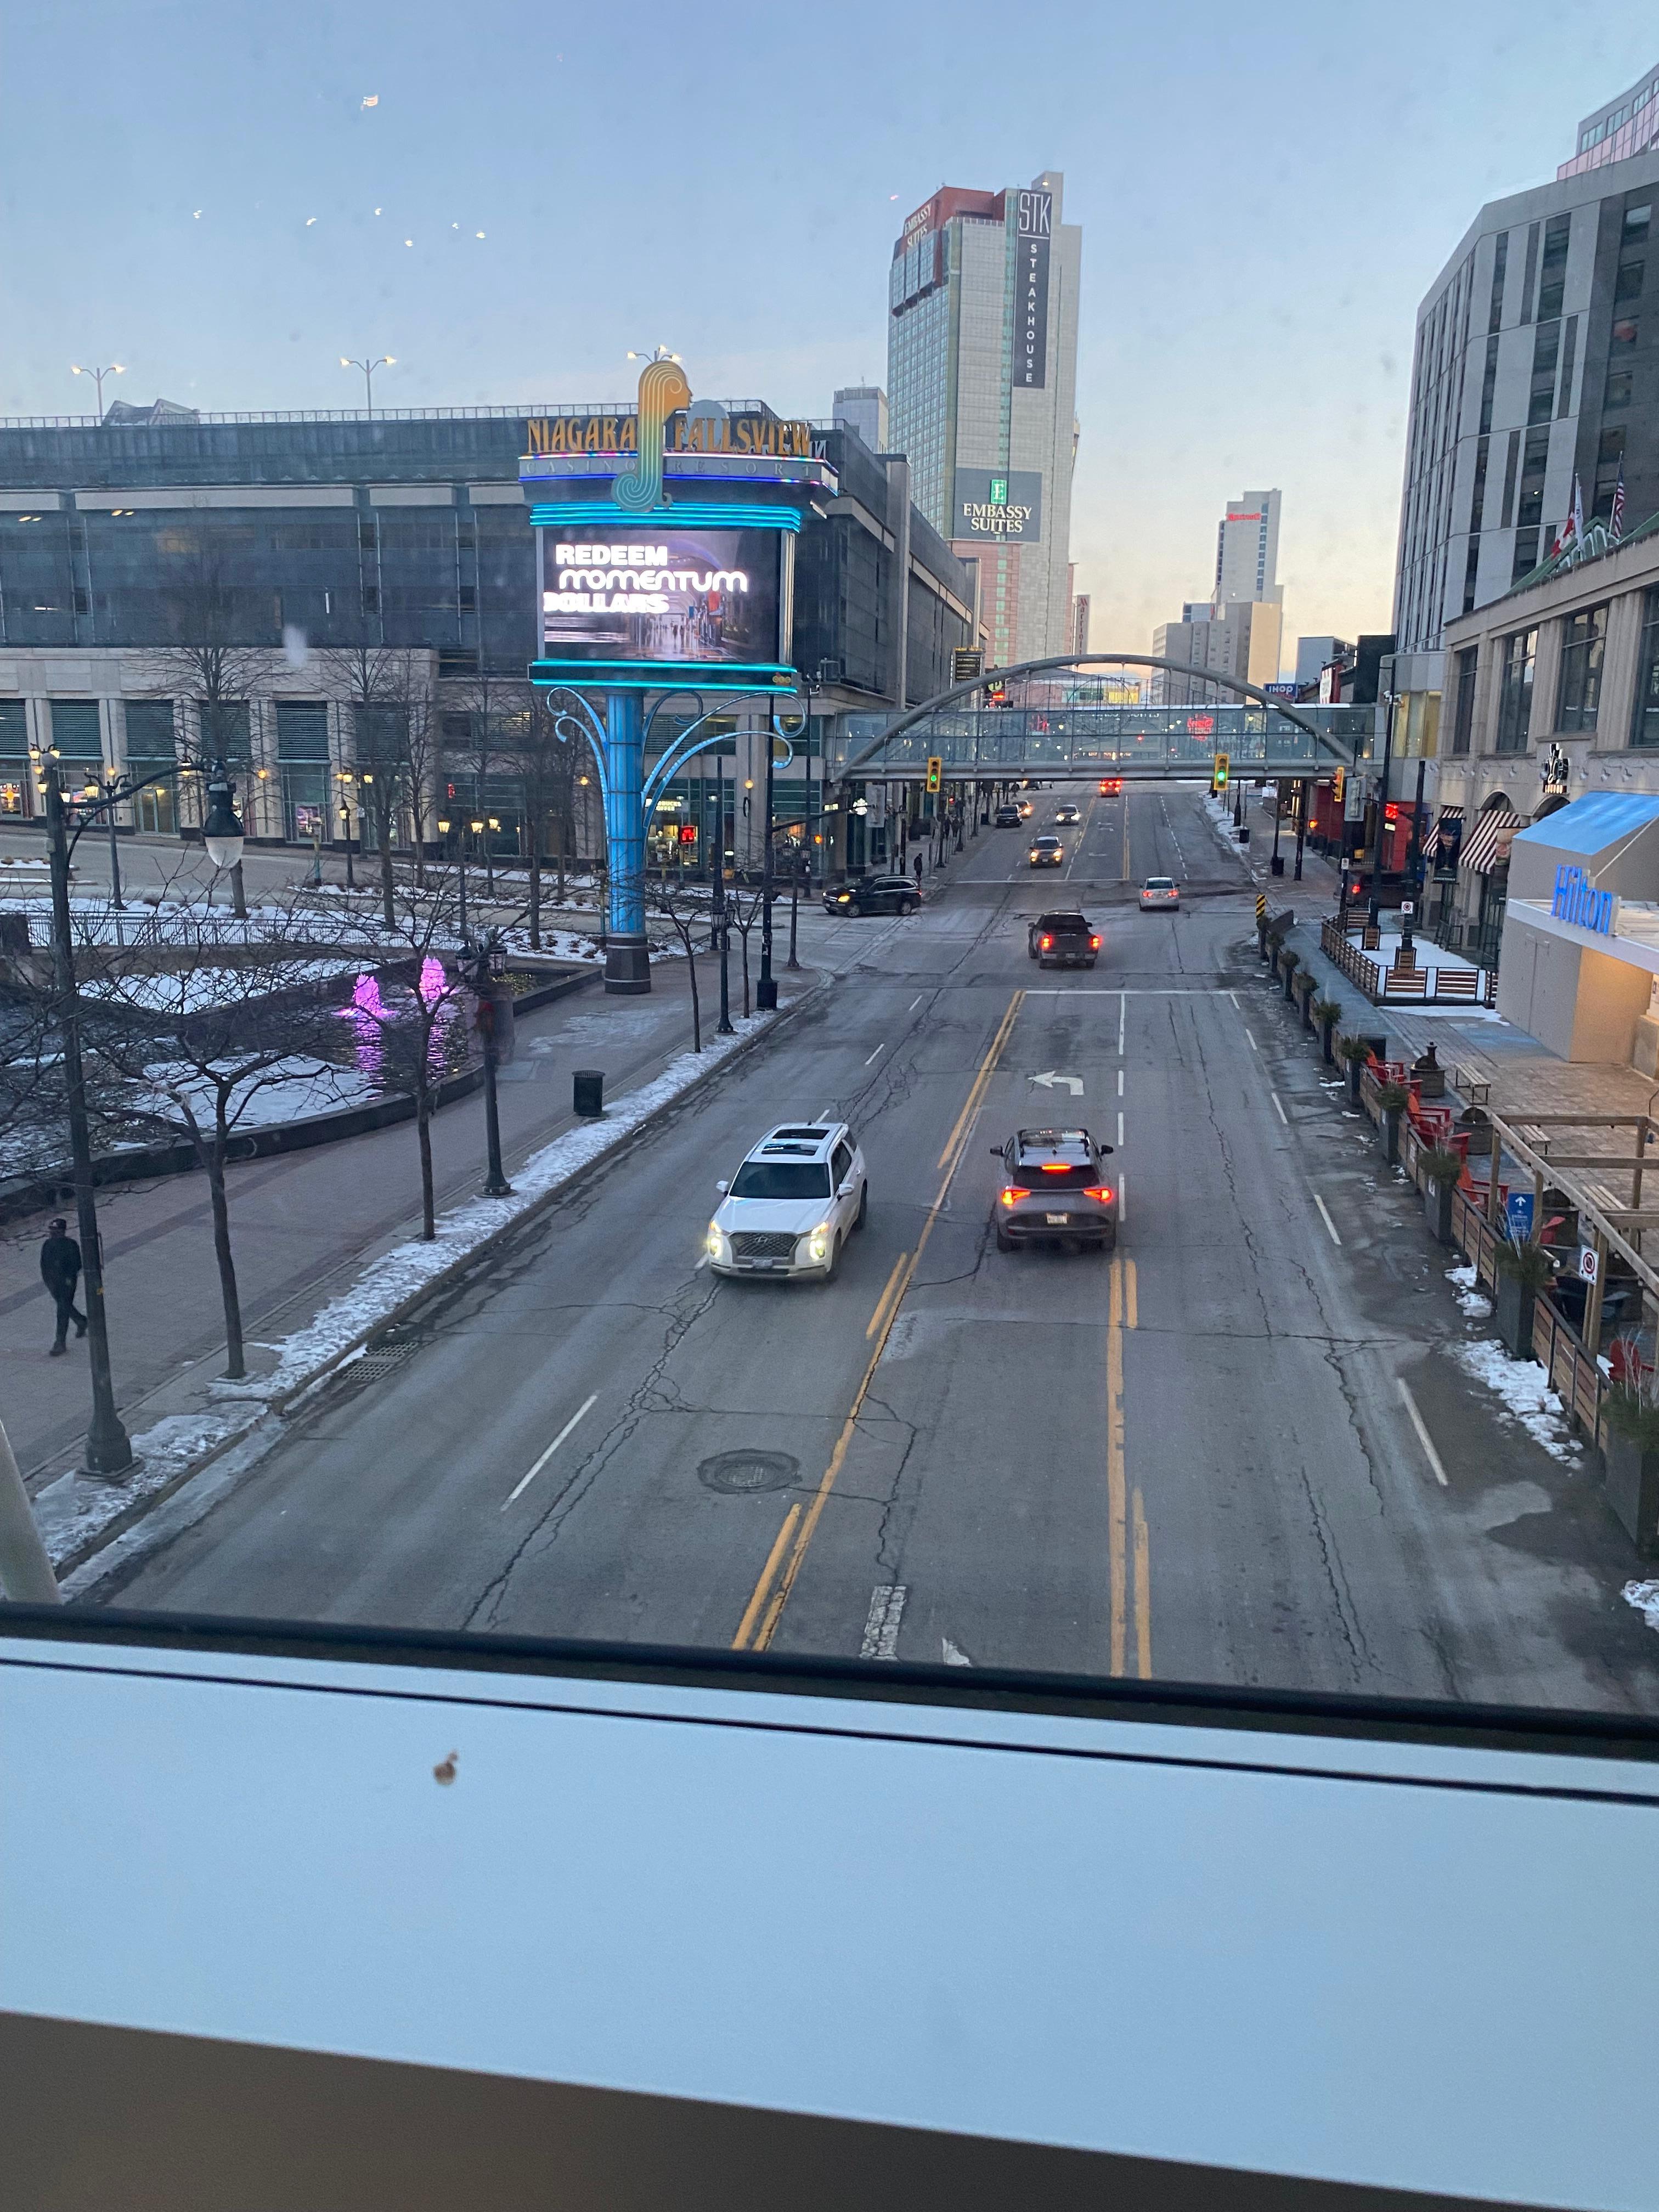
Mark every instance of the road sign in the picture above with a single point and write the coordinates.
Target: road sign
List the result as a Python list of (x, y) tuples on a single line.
[(1590, 1263), (1221, 772), (1073, 1083), (935, 772), (967, 661), (1261, 906), (1518, 1215)]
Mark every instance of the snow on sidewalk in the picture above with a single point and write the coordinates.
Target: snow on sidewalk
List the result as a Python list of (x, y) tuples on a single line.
[(1523, 1389), (73, 1512)]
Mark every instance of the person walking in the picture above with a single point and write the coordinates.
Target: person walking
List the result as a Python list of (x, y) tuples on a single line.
[(60, 1271), (918, 871)]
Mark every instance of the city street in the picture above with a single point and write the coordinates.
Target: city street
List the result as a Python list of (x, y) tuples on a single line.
[(1193, 1460)]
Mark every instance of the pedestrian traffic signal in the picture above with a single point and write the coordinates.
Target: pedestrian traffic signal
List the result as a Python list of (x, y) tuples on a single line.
[(935, 772), (1219, 773)]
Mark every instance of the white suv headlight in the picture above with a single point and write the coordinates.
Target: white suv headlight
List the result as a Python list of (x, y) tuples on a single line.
[(713, 1242), (817, 1244)]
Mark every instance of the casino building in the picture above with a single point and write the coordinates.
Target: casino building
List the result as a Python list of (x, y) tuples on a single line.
[(295, 545)]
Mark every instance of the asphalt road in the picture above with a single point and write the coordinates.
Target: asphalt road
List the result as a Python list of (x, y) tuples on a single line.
[(1193, 1460)]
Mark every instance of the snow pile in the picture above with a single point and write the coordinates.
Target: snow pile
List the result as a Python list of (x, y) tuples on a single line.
[(1220, 819), (1465, 1288), (1525, 1389), (73, 1513), (1644, 1596)]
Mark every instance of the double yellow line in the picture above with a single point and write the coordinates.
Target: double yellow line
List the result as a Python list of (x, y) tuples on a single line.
[(783, 1562)]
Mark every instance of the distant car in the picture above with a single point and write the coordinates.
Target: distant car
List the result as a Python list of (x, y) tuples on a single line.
[(1007, 817), (1047, 852), (1063, 940), (1054, 1190), (887, 894), (1110, 786), (1026, 809), (1158, 892), (1066, 814), (793, 1204)]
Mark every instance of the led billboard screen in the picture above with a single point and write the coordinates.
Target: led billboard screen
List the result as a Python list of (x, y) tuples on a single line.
[(650, 594)]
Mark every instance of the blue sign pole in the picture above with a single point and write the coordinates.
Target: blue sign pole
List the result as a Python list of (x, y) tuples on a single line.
[(628, 964)]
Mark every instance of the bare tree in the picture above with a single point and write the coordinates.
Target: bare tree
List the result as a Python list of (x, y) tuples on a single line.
[(743, 919), (687, 919), (197, 1031), (546, 758), (208, 661)]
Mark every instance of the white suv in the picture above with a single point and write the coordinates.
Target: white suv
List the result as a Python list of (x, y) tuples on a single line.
[(792, 1205)]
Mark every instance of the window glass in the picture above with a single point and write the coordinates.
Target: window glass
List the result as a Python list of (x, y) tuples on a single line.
[(1644, 729), (77, 729), (1463, 675), (1515, 691), (782, 1179), (1583, 639)]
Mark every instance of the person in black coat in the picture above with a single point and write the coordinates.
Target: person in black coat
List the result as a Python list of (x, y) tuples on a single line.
[(60, 1271)]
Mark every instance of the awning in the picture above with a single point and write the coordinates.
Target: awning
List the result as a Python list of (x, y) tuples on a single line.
[(1445, 819), (1488, 842)]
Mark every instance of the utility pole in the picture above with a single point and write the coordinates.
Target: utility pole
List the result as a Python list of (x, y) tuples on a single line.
[(718, 901), (1375, 907)]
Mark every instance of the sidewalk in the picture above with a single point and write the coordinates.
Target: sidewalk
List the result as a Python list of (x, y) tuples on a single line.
[(1525, 1077), (302, 1224)]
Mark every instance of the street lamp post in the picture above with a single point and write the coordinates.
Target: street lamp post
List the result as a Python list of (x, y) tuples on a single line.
[(1379, 822), (114, 368), (109, 1448), (766, 991), (797, 860), (489, 963), (345, 819), (368, 368)]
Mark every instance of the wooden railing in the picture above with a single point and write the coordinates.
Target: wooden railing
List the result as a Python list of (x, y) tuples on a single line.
[(1574, 1376), (1414, 986)]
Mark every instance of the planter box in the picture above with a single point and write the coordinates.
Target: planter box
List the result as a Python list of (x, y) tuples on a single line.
[(1512, 1310), (1437, 1209), (1632, 1482)]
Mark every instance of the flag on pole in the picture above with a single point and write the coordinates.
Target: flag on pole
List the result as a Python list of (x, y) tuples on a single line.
[(1616, 520), (1577, 509)]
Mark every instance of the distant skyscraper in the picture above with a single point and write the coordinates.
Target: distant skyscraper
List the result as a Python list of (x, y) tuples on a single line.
[(863, 408), (1247, 551), (982, 365)]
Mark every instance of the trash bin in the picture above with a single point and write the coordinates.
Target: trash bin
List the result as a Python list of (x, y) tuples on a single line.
[(589, 1089)]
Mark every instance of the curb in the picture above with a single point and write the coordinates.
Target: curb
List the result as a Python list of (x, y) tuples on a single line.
[(275, 1409)]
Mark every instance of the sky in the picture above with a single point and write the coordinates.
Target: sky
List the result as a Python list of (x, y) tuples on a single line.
[(206, 194)]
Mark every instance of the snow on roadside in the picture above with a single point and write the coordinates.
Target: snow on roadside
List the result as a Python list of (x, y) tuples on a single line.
[(1523, 1389), (1220, 820), (1644, 1596), (1466, 1288), (71, 1512)]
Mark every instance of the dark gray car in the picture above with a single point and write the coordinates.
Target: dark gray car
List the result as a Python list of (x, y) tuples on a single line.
[(1054, 1191)]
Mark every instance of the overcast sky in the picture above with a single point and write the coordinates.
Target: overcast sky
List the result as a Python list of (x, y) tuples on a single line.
[(193, 190)]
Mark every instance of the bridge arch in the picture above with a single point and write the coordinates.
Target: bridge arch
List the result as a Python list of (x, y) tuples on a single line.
[(1079, 663)]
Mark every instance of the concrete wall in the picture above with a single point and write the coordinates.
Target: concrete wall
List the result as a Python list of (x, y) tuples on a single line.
[(1581, 1004)]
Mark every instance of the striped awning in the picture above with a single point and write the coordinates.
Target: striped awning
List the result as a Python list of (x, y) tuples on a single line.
[(1488, 842), (1432, 843)]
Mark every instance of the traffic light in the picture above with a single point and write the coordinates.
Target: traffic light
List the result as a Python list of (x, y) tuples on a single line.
[(935, 772), (1219, 773), (1339, 785)]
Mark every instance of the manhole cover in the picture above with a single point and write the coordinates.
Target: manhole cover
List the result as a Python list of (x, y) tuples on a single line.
[(737, 1473)]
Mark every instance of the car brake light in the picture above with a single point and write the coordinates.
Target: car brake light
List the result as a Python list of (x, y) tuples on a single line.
[(1101, 1194), (1012, 1195), (1056, 1167), (1094, 945), (1047, 943)]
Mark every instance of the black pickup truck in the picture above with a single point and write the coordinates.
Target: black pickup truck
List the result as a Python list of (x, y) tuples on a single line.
[(1063, 940)]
